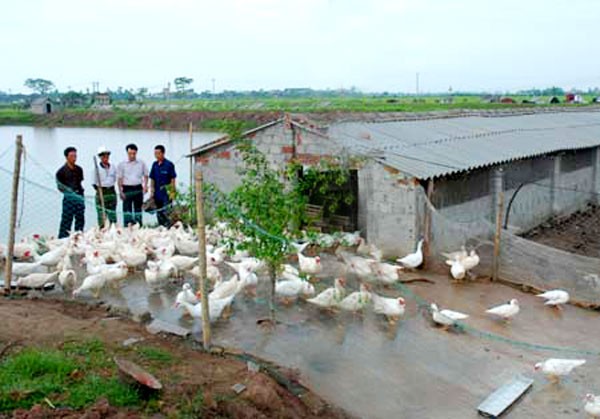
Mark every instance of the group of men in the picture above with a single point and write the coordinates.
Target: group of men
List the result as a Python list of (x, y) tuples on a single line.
[(128, 180)]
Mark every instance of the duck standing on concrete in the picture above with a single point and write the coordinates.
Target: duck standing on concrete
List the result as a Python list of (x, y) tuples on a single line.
[(555, 368), (555, 298), (505, 311), (413, 260)]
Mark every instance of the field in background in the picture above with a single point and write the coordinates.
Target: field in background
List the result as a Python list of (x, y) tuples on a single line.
[(209, 114)]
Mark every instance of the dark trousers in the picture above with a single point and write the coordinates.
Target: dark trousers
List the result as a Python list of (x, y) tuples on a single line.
[(163, 210), (110, 205), (132, 204), (73, 208)]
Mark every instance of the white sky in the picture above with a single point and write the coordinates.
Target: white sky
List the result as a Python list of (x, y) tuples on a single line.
[(375, 45)]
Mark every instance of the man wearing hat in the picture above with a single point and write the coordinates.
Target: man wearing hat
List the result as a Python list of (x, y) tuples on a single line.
[(104, 180)]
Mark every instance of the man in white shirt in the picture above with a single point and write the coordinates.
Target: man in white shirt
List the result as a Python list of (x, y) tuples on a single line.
[(132, 177), (106, 174)]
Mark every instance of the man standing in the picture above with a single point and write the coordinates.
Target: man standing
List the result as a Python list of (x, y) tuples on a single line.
[(133, 184), (106, 174), (69, 180), (162, 176)]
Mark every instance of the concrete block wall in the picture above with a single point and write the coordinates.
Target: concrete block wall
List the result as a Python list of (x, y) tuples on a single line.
[(558, 193), (388, 209)]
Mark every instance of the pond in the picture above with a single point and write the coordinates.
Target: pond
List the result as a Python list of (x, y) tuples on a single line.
[(40, 202)]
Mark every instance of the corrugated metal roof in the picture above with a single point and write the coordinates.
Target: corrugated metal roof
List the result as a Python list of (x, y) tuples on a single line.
[(438, 147)]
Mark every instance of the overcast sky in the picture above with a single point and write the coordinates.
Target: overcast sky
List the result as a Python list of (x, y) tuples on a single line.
[(375, 45)]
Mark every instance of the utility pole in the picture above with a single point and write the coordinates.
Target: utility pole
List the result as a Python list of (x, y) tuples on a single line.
[(213, 86), (417, 84)]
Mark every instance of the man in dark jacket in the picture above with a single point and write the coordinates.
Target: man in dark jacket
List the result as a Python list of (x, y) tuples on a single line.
[(69, 180), (162, 176)]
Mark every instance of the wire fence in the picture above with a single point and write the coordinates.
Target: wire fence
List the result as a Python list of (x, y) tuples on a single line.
[(462, 213)]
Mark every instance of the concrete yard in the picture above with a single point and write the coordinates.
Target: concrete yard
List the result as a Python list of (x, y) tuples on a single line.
[(413, 369)]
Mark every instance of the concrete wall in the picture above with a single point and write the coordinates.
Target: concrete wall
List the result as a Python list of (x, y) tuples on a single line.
[(388, 209), (548, 190)]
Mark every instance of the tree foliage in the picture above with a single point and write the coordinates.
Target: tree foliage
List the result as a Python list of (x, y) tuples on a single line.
[(182, 84), (41, 86)]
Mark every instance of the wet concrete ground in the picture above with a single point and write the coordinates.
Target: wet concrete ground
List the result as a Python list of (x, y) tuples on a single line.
[(412, 370)]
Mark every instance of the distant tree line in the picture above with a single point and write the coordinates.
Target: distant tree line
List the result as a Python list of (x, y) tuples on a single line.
[(184, 90)]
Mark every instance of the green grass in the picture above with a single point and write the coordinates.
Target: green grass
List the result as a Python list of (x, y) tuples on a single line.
[(152, 354), (134, 118), (16, 117), (75, 376)]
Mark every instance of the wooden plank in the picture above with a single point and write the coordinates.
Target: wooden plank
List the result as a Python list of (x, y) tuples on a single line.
[(504, 397)]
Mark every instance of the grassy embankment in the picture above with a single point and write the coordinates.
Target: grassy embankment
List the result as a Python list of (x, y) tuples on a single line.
[(210, 114)]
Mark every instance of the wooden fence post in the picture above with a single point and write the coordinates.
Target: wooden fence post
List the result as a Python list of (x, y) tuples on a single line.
[(427, 226), (13, 215), (203, 286), (499, 192), (192, 187)]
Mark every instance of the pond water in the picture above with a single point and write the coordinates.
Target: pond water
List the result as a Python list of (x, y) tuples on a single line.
[(41, 202)]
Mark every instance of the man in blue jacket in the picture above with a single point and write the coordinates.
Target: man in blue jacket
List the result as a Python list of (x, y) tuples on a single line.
[(162, 185)]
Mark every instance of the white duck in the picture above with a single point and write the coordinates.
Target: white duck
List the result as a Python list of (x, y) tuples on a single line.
[(187, 247), (555, 297), (67, 278), (309, 265), (157, 273), (456, 255), (357, 300), (225, 289), (471, 261), (386, 273), (215, 307), (446, 317), (37, 280), (290, 273), (413, 260), (115, 272), (293, 288), (212, 273), (133, 256), (391, 308), (93, 283), (505, 311), (26, 268), (457, 269), (592, 405), (350, 239), (187, 294), (53, 257), (365, 249), (330, 297), (246, 276), (359, 266), (183, 263), (555, 368)]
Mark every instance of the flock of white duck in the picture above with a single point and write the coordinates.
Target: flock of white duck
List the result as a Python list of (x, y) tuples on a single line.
[(106, 256)]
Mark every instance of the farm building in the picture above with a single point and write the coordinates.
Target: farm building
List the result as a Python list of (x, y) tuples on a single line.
[(550, 166), (101, 99), (42, 106)]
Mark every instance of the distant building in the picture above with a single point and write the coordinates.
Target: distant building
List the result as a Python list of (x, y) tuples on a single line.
[(101, 99), (506, 100), (42, 106), (573, 98)]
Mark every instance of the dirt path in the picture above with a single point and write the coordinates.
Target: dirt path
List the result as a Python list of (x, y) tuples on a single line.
[(51, 324)]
